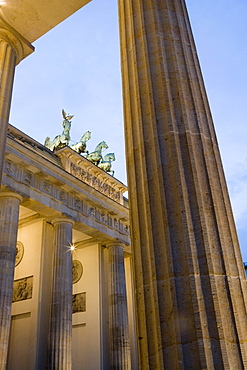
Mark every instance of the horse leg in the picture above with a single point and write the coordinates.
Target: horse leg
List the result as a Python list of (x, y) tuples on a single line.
[(47, 142)]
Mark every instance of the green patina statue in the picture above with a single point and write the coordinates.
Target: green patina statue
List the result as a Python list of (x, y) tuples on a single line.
[(96, 156), (61, 140), (80, 147), (105, 163)]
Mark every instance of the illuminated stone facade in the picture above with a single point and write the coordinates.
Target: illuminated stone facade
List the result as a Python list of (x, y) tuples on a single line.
[(189, 277), (65, 225)]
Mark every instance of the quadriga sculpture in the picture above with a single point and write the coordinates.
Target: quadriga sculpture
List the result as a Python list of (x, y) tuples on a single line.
[(61, 140), (80, 147), (105, 163), (96, 156)]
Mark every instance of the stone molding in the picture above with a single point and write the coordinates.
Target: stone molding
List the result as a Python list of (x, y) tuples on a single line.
[(21, 46), (92, 175), (10, 194), (41, 184), (31, 171), (62, 219), (115, 244), (14, 42)]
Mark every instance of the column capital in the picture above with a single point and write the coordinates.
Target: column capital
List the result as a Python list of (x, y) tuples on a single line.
[(62, 219), (21, 46), (10, 194), (115, 244)]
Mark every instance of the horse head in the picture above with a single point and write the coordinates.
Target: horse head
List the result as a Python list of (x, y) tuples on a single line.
[(100, 146), (109, 157), (86, 136)]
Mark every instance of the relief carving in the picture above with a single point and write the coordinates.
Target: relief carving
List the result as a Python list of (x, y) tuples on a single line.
[(127, 230), (79, 302), (9, 167), (91, 212), (99, 185), (47, 187), (77, 271), (78, 203), (22, 289), (104, 218), (62, 195), (19, 253), (116, 223), (28, 177)]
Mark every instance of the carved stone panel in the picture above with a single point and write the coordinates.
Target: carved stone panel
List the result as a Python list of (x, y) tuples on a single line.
[(79, 302), (22, 289)]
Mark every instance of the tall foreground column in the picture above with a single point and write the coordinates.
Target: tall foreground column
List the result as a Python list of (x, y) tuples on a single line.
[(9, 214), (13, 48), (59, 353), (190, 281), (118, 310)]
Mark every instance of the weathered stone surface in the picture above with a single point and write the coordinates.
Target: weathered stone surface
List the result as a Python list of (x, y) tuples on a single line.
[(59, 353), (118, 312), (190, 280), (9, 212), (7, 66), (13, 48), (49, 188)]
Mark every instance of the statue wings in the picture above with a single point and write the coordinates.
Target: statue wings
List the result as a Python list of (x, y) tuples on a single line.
[(65, 116)]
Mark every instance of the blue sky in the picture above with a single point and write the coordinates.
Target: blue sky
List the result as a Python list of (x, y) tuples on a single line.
[(76, 67)]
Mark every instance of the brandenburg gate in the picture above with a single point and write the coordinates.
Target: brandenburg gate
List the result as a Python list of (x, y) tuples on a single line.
[(190, 285)]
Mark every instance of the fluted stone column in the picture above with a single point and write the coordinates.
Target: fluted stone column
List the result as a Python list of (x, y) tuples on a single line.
[(11, 52), (190, 281), (59, 352), (118, 311), (9, 213)]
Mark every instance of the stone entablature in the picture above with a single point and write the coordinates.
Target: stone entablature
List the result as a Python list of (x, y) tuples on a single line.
[(92, 175), (50, 189)]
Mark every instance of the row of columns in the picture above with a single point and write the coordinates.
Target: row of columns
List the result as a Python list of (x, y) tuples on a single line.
[(60, 334)]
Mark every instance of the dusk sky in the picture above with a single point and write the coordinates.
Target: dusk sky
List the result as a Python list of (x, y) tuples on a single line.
[(76, 67)]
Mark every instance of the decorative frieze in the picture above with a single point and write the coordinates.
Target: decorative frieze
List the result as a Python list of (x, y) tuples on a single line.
[(104, 218), (43, 185), (28, 177), (9, 168), (96, 183), (78, 204), (63, 195), (47, 187), (91, 212)]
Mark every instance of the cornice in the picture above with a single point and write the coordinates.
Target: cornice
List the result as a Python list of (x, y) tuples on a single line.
[(40, 180), (22, 47)]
